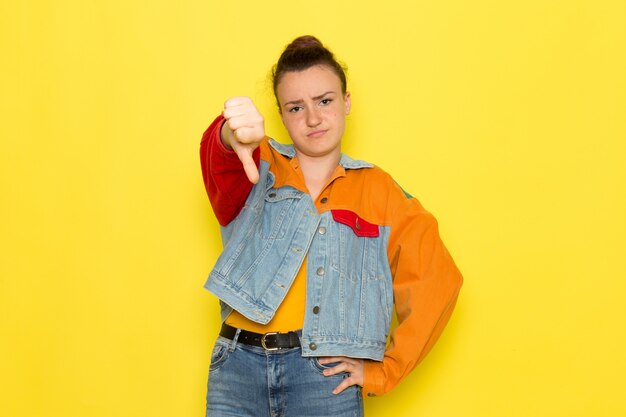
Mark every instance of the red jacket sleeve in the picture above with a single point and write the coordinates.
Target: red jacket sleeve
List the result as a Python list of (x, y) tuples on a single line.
[(224, 177)]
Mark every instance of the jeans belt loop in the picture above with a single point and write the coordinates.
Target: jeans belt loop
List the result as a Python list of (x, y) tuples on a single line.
[(233, 343)]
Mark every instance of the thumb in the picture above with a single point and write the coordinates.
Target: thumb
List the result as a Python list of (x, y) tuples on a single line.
[(245, 156)]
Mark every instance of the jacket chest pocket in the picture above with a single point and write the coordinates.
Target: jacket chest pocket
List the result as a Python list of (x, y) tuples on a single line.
[(358, 250), (278, 209)]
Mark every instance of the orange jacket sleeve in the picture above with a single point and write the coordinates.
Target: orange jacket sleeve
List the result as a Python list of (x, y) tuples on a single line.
[(426, 284)]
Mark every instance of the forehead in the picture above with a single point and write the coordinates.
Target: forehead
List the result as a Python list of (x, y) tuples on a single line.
[(311, 82)]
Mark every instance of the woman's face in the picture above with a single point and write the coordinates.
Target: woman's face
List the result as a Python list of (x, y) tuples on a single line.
[(313, 109)]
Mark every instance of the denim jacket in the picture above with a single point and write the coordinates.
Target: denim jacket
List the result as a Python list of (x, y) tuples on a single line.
[(349, 302)]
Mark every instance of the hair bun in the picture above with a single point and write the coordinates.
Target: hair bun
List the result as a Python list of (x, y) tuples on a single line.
[(306, 41)]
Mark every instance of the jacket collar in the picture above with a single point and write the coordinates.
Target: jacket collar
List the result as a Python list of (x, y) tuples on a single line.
[(345, 161)]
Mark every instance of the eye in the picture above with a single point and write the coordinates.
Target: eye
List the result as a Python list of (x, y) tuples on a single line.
[(326, 101), (295, 109)]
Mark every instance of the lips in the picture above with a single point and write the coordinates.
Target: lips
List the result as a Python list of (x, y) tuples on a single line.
[(316, 134)]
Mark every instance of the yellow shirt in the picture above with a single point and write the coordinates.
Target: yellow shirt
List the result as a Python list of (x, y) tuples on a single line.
[(289, 315)]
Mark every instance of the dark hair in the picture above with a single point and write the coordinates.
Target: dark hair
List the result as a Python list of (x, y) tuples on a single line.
[(305, 52)]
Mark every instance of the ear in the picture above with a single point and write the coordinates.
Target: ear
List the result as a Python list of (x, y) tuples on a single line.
[(347, 102)]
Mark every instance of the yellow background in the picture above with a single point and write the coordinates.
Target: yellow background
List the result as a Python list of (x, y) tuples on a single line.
[(506, 119)]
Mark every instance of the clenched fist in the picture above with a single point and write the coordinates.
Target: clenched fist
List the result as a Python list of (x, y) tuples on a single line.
[(243, 132)]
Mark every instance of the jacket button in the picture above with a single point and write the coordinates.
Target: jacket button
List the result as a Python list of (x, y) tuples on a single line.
[(320, 271), (316, 309), (312, 346), (272, 195), (324, 200), (322, 230)]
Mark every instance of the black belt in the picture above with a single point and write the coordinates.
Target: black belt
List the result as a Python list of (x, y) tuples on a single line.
[(268, 341)]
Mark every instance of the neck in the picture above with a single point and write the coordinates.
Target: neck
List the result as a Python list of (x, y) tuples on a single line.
[(317, 171)]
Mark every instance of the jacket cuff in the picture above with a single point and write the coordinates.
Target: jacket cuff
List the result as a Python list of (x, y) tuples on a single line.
[(227, 153), (373, 378)]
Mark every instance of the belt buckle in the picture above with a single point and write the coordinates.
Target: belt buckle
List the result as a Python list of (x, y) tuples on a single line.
[(263, 340)]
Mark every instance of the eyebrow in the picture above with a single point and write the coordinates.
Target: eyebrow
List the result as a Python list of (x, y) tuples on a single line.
[(314, 98)]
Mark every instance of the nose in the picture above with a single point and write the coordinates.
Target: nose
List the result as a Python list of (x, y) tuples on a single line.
[(313, 117)]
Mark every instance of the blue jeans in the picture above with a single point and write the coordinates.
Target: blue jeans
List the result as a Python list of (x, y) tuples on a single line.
[(247, 380)]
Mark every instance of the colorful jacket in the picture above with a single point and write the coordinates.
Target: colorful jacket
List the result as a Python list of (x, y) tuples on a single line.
[(367, 245)]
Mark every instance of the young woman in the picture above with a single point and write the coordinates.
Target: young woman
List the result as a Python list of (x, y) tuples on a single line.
[(318, 248)]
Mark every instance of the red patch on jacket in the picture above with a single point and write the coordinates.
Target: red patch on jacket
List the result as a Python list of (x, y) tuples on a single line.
[(359, 226)]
